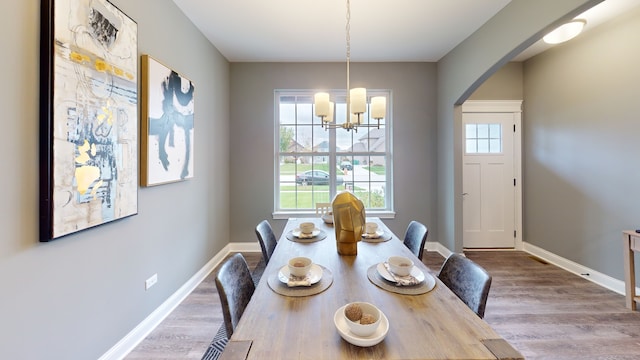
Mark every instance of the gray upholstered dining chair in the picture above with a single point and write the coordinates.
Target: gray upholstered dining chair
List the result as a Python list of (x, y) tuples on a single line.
[(235, 288), (268, 242), (468, 280), (267, 239), (415, 237)]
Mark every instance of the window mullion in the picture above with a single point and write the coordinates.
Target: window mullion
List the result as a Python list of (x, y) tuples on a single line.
[(332, 161)]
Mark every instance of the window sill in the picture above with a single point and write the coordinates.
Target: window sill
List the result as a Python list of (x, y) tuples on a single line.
[(283, 215)]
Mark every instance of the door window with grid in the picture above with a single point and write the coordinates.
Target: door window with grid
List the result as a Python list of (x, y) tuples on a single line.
[(314, 163), (483, 138)]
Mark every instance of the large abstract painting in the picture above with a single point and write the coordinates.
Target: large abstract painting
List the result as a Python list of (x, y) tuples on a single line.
[(166, 150), (88, 112)]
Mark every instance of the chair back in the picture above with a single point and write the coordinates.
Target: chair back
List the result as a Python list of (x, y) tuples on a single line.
[(267, 239), (415, 237), (468, 280), (235, 287), (323, 208)]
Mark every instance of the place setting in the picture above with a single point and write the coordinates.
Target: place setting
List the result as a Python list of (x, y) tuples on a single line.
[(306, 232), (300, 277), (400, 275), (373, 233)]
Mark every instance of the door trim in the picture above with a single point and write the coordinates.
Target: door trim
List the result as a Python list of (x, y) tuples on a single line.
[(514, 107), (492, 106)]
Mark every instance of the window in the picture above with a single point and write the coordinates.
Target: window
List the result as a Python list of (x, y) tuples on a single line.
[(483, 138), (314, 163)]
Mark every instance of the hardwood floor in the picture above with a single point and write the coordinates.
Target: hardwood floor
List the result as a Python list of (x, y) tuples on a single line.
[(542, 310), (548, 313)]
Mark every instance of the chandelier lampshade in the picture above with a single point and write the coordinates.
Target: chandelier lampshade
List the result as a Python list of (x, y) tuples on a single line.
[(321, 100), (378, 107)]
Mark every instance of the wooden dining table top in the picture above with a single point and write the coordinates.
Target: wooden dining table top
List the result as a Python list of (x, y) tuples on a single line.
[(434, 325)]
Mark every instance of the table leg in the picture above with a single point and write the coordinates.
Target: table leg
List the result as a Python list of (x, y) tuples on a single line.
[(629, 272)]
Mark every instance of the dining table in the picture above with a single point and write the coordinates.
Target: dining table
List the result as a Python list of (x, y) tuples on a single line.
[(423, 321)]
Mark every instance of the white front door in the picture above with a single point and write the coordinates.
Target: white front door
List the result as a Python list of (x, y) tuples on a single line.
[(489, 179)]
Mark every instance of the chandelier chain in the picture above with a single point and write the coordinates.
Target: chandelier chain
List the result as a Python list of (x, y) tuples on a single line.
[(348, 30), (348, 35)]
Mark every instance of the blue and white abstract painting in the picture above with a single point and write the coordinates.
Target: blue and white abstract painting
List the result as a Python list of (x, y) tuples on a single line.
[(169, 114)]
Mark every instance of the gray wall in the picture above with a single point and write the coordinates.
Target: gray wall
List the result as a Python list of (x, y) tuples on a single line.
[(462, 70), (76, 297), (252, 135), (581, 145), (505, 84)]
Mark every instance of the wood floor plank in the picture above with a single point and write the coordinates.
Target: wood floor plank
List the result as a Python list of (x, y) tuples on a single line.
[(541, 310)]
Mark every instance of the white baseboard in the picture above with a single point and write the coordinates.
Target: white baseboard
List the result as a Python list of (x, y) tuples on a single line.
[(135, 336), (437, 247), (596, 277), (599, 278)]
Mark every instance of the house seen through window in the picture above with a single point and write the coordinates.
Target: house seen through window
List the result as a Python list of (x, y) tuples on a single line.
[(314, 163)]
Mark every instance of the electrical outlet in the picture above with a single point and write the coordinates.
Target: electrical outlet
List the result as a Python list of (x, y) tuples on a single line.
[(151, 281)]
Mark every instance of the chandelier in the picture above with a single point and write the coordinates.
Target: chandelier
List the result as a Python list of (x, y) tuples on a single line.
[(356, 99)]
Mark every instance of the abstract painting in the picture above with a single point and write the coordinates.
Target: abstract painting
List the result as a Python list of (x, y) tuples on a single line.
[(88, 115), (166, 149)]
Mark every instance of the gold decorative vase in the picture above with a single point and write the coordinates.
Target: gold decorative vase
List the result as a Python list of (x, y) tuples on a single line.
[(348, 221)]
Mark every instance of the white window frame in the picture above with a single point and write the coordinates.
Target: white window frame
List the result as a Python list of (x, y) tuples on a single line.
[(386, 125)]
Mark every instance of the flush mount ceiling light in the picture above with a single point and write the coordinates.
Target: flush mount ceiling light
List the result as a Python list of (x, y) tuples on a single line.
[(356, 99), (565, 32)]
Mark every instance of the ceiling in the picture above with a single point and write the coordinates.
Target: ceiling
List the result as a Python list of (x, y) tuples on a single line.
[(381, 30)]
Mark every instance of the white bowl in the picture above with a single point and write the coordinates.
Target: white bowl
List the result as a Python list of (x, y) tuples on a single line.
[(364, 330), (299, 266), (328, 218), (307, 227), (343, 329), (371, 227), (400, 265)]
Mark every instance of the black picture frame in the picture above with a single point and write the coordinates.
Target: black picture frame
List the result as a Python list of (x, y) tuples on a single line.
[(88, 116)]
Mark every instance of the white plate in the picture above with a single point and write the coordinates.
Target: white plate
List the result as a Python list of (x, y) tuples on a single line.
[(378, 234), (415, 272), (341, 324), (298, 233), (315, 274)]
